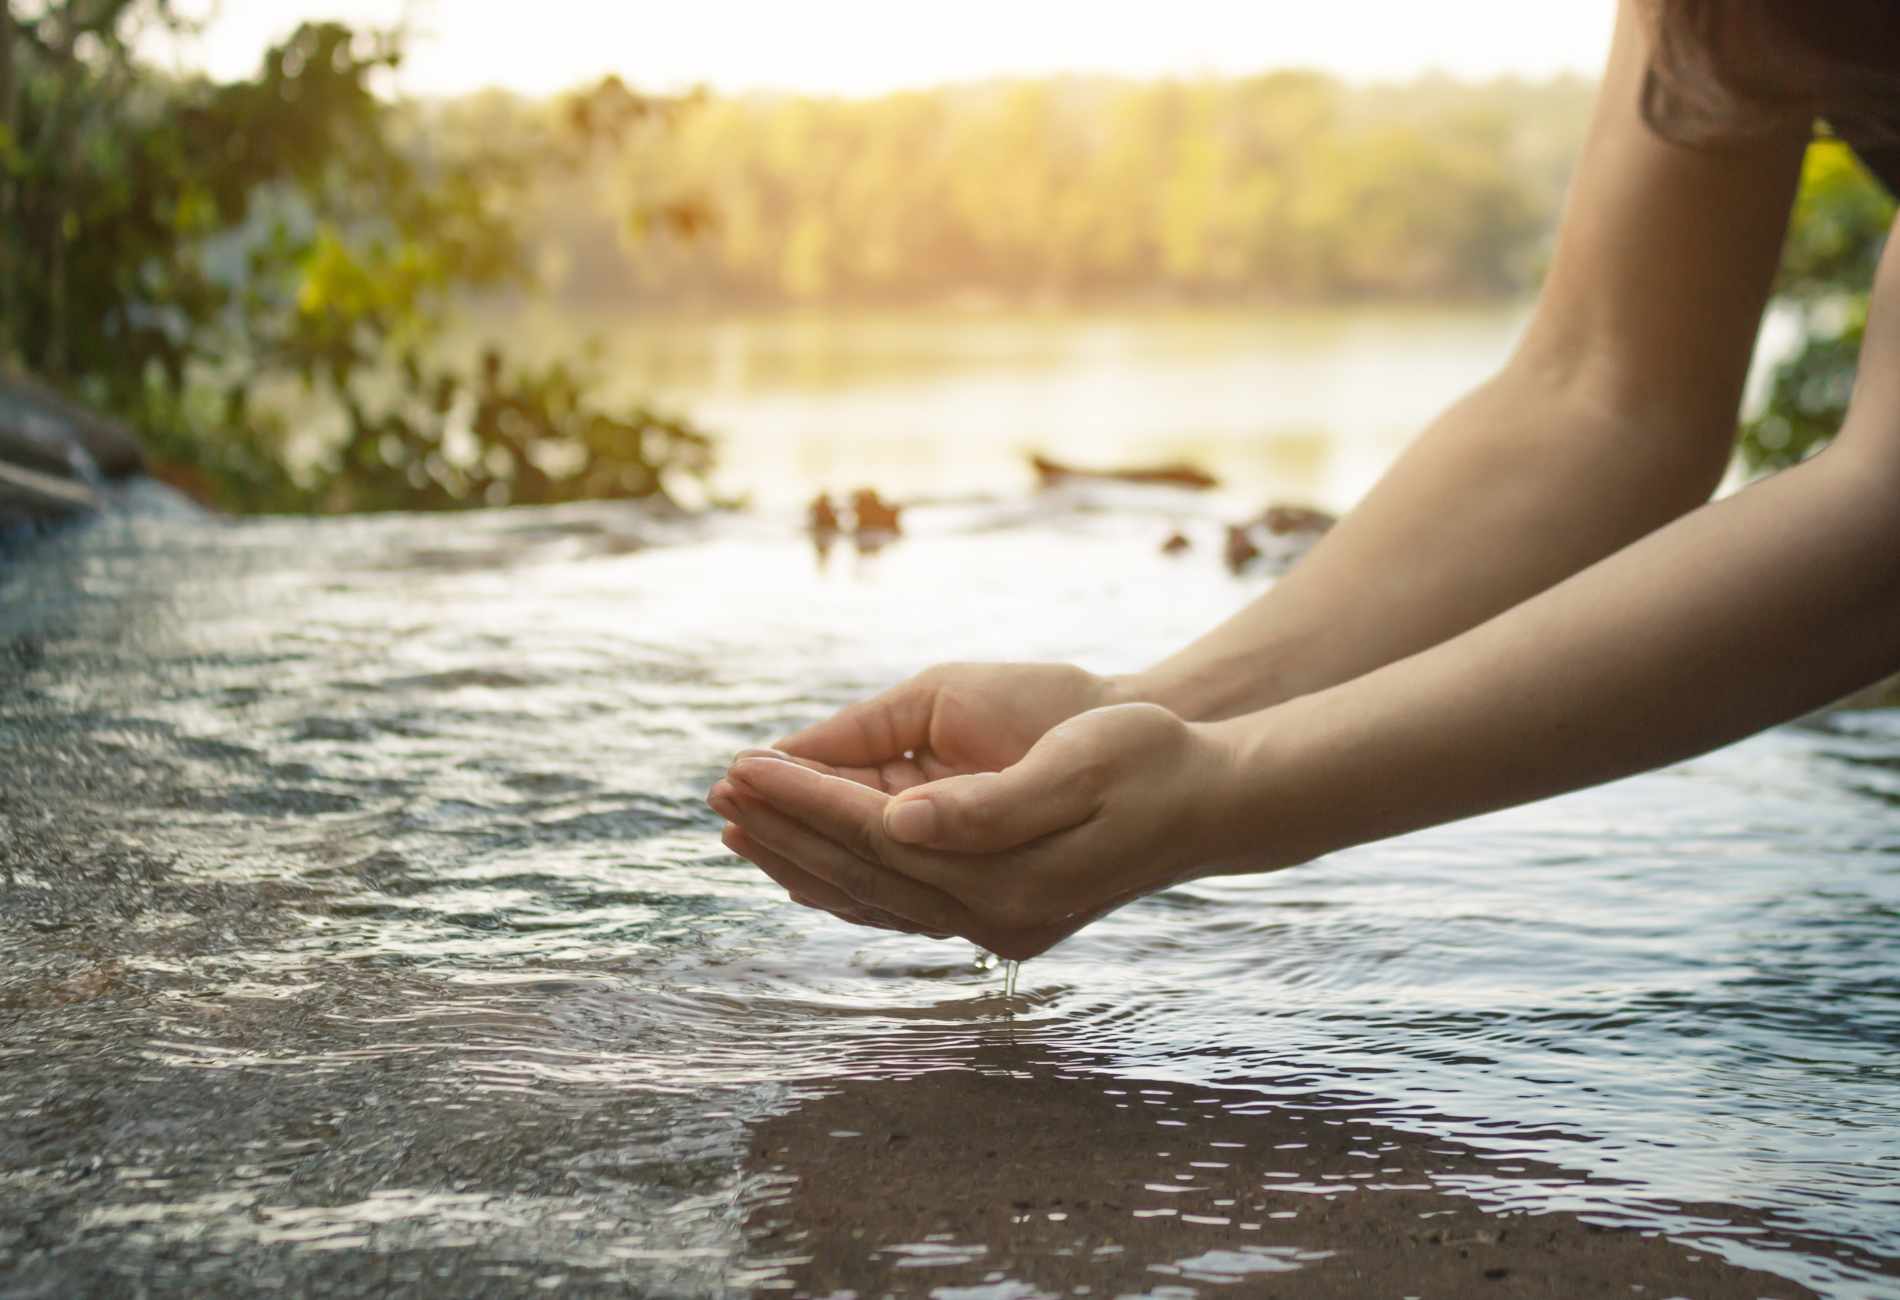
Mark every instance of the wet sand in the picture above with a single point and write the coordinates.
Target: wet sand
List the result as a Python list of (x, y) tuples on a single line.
[(1040, 1182)]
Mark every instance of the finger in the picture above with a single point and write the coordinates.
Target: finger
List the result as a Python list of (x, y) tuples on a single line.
[(877, 778), (805, 890), (844, 811), (867, 884), (759, 751), (1053, 788), (808, 890), (900, 774), (869, 732), (932, 768), (851, 819)]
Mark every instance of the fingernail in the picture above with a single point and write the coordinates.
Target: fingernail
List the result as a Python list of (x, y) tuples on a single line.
[(759, 752), (750, 768), (911, 821)]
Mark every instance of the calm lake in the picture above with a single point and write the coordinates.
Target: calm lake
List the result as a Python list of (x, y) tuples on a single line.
[(1305, 404)]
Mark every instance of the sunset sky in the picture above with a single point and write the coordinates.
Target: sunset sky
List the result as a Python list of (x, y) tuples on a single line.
[(856, 47)]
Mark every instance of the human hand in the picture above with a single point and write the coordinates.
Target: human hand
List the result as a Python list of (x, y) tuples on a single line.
[(1107, 806), (950, 720)]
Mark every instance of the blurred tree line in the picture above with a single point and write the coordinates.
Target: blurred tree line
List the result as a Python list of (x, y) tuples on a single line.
[(187, 254), (1840, 224), (1288, 185), (1283, 186)]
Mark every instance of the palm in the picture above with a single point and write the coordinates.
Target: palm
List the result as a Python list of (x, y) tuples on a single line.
[(986, 726)]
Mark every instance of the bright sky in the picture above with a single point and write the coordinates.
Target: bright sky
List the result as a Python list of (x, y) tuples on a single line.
[(868, 46)]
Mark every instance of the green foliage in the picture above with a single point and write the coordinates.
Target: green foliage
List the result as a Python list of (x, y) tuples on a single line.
[(1840, 223), (528, 438), (186, 254)]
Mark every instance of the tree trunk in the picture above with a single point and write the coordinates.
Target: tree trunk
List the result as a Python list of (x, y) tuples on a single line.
[(10, 125)]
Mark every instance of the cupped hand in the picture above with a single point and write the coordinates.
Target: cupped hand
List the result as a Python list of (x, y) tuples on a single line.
[(1112, 804), (950, 720)]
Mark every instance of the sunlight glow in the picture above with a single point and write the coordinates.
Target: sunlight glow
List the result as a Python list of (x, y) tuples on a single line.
[(856, 47)]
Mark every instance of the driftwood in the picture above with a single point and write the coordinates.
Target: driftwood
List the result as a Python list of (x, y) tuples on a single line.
[(1050, 473), (871, 515)]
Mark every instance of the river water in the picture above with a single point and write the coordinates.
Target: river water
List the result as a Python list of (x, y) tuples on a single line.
[(362, 925), (1308, 403)]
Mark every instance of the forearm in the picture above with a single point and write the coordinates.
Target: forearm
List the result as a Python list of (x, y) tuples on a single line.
[(1616, 416), (1746, 613), (1523, 483)]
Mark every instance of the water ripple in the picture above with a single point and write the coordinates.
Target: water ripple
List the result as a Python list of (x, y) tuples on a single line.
[(360, 904)]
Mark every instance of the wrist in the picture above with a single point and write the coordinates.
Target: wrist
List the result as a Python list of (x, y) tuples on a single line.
[(1125, 688), (1189, 697), (1209, 691), (1267, 806)]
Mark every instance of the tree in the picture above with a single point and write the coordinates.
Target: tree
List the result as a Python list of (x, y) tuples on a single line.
[(180, 252)]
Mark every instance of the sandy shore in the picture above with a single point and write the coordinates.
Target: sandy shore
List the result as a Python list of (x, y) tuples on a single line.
[(1038, 1182)]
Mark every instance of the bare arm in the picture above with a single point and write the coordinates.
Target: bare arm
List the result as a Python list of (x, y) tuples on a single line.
[(1746, 613), (1615, 415)]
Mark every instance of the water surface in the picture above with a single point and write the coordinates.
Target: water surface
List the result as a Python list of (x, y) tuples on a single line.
[(362, 926), (1308, 403), (1304, 403)]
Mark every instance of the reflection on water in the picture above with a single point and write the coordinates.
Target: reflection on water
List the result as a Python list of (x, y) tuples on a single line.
[(363, 928), (1285, 403)]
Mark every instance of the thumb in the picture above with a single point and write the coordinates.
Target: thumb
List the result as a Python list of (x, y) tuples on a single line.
[(991, 811), (868, 732)]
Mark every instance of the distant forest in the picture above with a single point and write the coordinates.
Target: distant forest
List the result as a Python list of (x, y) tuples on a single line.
[(1287, 186)]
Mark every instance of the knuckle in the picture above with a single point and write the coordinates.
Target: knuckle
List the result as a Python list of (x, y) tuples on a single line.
[(867, 840), (877, 727)]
